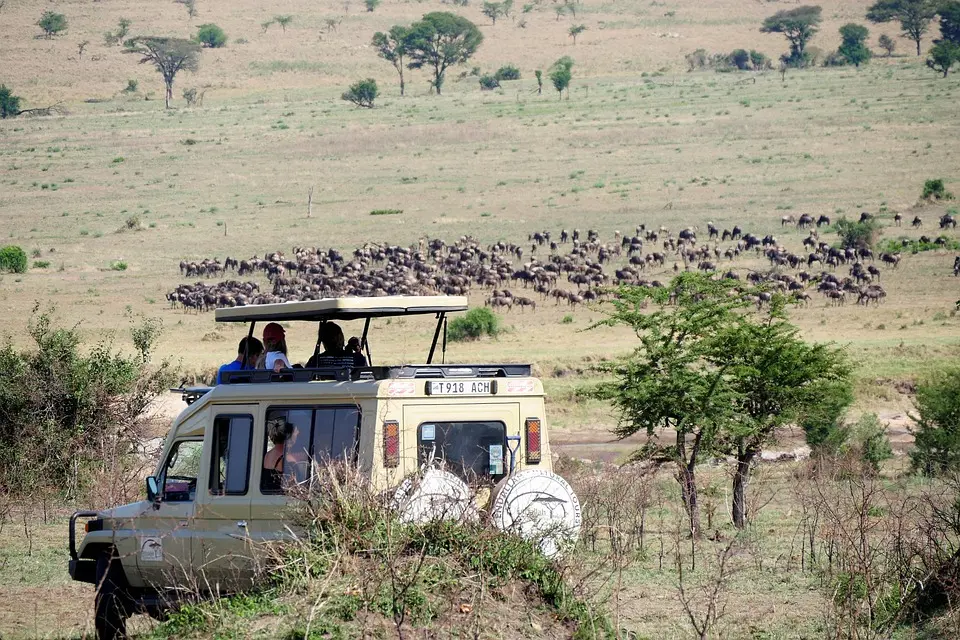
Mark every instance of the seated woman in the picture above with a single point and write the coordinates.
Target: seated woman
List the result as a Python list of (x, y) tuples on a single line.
[(331, 338), (278, 430)]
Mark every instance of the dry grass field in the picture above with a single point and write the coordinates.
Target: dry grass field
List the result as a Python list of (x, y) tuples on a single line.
[(639, 140)]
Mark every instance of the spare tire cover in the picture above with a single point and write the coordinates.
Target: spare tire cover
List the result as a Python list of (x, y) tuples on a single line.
[(434, 495), (539, 506)]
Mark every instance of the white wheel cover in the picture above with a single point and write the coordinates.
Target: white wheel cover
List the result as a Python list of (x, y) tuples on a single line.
[(539, 506), (436, 495)]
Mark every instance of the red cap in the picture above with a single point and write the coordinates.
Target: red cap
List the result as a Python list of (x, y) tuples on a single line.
[(273, 331)]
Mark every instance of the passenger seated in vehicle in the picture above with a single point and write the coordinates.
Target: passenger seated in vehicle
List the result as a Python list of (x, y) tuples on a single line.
[(278, 430), (275, 349), (249, 346), (331, 337)]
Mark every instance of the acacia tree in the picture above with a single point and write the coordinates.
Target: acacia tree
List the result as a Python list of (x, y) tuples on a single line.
[(9, 103), (798, 26), (440, 40), (492, 10), (575, 31), (669, 382), (169, 56), (943, 56), (887, 44), (561, 73), (391, 47), (776, 379), (914, 16), (854, 47)]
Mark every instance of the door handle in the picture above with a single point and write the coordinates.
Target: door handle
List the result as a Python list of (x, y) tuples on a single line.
[(242, 524)]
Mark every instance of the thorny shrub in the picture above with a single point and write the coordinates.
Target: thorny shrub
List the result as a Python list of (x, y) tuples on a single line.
[(73, 419)]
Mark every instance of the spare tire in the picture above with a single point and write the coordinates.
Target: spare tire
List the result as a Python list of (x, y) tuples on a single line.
[(434, 495), (539, 506)]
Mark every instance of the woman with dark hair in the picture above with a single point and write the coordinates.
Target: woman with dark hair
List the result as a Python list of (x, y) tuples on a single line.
[(278, 430)]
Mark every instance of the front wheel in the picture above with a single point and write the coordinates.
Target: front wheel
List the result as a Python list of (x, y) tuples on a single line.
[(111, 601)]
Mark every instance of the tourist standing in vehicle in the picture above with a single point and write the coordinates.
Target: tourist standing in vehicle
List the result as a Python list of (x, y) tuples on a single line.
[(248, 353), (275, 349)]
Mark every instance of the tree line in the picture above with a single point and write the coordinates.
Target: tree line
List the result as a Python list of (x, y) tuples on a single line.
[(799, 25)]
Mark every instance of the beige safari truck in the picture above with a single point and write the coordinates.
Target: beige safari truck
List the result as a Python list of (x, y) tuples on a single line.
[(427, 433)]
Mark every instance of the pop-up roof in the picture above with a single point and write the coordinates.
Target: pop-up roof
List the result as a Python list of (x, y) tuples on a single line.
[(343, 309)]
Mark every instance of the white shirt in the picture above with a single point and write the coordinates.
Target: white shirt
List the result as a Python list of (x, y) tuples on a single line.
[(273, 357)]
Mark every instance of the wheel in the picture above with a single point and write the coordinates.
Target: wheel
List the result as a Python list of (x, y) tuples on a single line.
[(111, 608)]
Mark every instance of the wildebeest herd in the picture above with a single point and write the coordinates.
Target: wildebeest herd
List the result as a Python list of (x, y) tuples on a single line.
[(570, 268)]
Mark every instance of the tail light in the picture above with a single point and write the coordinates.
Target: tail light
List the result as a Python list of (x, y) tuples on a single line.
[(391, 443), (532, 429)]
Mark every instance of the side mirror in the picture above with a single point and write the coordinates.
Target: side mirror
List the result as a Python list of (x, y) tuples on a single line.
[(153, 490)]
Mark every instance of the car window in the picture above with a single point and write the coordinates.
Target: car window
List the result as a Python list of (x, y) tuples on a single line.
[(181, 471), (472, 450), (230, 459), (312, 434)]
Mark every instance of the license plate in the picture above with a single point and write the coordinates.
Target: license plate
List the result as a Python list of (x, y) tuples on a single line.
[(459, 388)]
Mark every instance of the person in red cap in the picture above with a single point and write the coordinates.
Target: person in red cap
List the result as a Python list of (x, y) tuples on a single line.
[(274, 348)]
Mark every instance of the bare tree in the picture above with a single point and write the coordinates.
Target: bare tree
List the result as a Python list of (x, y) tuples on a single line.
[(80, 47), (168, 55)]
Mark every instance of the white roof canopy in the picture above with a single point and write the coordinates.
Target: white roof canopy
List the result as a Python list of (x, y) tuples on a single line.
[(343, 308)]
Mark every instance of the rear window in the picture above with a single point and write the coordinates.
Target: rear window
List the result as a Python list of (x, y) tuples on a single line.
[(472, 450)]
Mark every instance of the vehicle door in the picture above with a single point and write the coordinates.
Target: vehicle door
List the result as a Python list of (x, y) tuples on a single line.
[(468, 437), (224, 559), (315, 436), (165, 531)]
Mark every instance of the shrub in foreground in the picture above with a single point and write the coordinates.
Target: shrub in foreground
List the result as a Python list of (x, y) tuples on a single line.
[(71, 413), (475, 324), (358, 569), (937, 435)]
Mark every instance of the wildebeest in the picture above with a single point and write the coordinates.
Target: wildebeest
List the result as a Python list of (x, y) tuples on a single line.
[(823, 220), (947, 220), (917, 222)]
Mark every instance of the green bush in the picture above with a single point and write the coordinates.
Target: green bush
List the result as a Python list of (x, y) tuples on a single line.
[(118, 265), (362, 93), (475, 324), (41, 264), (507, 72), (935, 190), (52, 23), (9, 103), (371, 4), (869, 441), (937, 435), (13, 259), (210, 35), (69, 412), (760, 60), (488, 82), (857, 235), (740, 58), (386, 212)]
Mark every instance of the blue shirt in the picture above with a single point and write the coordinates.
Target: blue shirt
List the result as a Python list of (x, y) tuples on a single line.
[(236, 365)]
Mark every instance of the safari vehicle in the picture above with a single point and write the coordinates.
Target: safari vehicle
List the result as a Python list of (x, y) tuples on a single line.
[(211, 500)]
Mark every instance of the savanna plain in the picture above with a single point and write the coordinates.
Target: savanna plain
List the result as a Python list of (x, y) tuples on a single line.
[(110, 193)]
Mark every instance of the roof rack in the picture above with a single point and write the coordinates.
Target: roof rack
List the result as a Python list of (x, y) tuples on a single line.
[(348, 373), (348, 308), (192, 394)]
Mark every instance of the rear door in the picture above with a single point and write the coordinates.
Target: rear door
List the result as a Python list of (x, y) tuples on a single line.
[(469, 437), (224, 559)]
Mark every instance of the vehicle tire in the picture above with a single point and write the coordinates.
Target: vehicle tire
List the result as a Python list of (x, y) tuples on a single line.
[(111, 608)]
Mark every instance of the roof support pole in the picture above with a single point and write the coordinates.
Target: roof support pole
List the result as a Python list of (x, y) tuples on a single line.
[(364, 345), (246, 345), (436, 336)]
